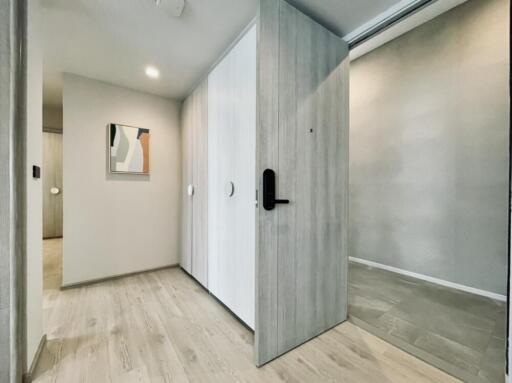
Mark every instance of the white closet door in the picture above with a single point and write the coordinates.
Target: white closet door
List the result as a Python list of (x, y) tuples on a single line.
[(231, 179), (194, 254), (200, 182)]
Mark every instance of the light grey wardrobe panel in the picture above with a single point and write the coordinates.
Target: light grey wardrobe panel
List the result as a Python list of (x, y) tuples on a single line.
[(302, 255), (200, 182), (194, 135), (187, 179)]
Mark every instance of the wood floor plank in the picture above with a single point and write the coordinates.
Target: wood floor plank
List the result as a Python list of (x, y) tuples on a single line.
[(163, 327)]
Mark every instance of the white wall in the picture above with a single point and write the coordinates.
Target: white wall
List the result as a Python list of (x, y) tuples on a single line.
[(34, 264), (117, 224)]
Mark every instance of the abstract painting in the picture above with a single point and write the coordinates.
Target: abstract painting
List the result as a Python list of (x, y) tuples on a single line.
[(129, 149)]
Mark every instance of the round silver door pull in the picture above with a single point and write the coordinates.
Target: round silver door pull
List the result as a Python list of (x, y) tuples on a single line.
[(54, 190), (190, 190), (230, 189)]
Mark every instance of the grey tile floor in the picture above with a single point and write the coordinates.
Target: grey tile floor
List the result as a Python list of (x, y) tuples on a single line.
[(459, 329)]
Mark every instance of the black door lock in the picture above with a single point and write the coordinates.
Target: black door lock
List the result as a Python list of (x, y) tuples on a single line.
[(269, 190)]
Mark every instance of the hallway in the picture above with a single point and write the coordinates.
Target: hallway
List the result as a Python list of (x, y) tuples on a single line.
[(163, 327)]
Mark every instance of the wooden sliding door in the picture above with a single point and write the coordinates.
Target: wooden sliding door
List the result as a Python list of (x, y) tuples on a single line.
[(200, 184), (187, 185), (302, 134), (194, 136)]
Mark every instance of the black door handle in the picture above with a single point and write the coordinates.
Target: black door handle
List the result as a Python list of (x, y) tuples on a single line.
[(269, 190)]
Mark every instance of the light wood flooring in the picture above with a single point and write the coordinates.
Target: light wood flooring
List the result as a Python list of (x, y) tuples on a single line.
[(162, 327)]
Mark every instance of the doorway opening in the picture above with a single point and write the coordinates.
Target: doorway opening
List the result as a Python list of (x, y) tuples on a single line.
[(429, 189), (52, 199)]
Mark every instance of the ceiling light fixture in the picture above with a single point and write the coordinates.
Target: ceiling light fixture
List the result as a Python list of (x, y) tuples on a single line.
[(152, 72), (172, 7)]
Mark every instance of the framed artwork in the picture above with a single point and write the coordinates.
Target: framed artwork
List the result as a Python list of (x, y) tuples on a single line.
[(128, 149)]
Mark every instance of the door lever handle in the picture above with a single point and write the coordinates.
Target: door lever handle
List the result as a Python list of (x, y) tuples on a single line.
[(269, 191)]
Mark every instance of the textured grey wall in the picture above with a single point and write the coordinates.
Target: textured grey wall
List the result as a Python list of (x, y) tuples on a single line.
[(429, 149)]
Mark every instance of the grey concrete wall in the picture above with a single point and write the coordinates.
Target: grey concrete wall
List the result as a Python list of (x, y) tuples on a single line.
[(429, 149)]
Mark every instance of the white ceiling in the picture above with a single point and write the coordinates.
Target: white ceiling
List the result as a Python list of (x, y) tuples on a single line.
[(114, 40)]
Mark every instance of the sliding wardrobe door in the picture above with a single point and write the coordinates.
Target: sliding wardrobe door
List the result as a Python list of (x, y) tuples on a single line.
[(200, 182), (231, 174), (187, 185), (303, 137), (194, 246)]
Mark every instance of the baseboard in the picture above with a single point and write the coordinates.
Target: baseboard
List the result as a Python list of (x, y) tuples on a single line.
[(114, 277), (437, 281), (27, 378)]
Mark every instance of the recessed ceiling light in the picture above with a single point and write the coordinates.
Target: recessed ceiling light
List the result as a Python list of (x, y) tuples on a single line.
[(152, 72)]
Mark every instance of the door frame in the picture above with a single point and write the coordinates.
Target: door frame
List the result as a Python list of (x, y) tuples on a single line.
[(13, 119), (50, 130)]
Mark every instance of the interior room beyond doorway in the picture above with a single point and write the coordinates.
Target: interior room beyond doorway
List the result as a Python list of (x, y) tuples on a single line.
[(429, 190)]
